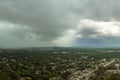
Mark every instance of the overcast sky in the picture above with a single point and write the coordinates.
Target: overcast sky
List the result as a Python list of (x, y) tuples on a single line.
[(67, 23)]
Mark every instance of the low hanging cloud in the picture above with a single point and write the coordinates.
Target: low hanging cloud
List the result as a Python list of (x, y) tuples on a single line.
[(98, 33), (95, 29), (59, 23), (92, 33)]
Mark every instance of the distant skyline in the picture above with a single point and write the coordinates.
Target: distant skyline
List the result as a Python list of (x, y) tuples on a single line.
[(64, 23)]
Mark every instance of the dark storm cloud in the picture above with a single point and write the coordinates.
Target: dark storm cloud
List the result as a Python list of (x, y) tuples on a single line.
[(43, 17), (40, 22), (86, 32), (99, 9)]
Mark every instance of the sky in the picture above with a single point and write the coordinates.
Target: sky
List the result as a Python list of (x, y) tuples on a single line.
[(65, 23)]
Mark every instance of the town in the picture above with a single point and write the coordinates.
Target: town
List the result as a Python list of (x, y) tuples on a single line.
[(59, 64)]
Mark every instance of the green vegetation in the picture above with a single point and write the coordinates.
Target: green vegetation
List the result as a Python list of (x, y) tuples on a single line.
[(54, 64)]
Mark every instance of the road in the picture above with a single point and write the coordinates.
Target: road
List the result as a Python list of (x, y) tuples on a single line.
[(109, 63), (89, 73)]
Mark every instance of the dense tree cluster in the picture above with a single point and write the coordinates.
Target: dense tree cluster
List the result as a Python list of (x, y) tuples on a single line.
[(47, 65)]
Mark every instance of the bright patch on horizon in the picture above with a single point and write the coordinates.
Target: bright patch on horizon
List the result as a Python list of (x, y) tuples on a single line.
[(100, 28)]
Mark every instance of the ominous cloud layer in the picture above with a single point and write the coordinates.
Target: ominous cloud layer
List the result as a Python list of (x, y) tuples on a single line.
[(34, 23)]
